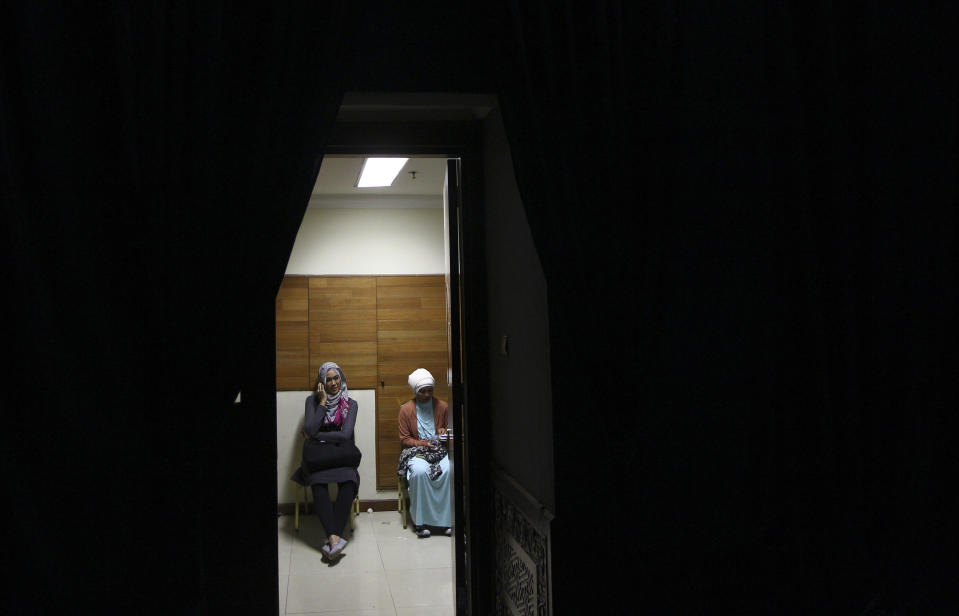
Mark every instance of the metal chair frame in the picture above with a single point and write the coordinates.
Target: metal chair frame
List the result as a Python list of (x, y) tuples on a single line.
[(402, 498), (303, 494)]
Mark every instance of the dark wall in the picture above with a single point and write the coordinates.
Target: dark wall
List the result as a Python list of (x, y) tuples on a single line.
[(429, 47), (789, 417), (155, 164), (520, 402)]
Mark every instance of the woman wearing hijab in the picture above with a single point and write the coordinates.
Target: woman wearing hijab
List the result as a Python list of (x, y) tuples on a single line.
[(421, 422), (331, 417)]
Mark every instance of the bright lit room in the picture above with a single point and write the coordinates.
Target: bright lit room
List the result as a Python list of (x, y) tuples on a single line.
[(366, 287)]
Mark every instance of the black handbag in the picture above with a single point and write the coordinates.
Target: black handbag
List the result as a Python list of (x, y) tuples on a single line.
[(321, 455)]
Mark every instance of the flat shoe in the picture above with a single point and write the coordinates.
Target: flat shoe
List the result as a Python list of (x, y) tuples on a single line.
[(423, 533), (338, 548)]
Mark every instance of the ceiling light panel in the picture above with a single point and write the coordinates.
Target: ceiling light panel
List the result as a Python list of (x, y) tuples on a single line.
[(380, 172)]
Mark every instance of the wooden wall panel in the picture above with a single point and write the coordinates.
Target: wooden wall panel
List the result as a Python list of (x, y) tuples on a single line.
[(411, 333), (378, 329), (357, 359), (292, 335), (342, 315)]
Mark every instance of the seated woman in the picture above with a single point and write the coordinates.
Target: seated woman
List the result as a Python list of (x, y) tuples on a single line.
[(421, 421), (331, 417)]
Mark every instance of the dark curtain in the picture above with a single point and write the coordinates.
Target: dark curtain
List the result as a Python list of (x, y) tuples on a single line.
[(747, 219), (157, 159)]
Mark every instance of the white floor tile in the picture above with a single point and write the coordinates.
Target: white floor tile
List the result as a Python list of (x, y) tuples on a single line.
[(357, 557), (421, 587), (284, 584), (284, 533), (333, 590), (311, 532), (387, 524), (385, 571), (415, 553), (386, 611), (445, 610)]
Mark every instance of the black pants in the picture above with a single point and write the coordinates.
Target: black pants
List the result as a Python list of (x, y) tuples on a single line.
[(334, 516)]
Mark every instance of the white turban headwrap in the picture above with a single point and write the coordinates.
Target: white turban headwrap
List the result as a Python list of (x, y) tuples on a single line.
[(420, 378)]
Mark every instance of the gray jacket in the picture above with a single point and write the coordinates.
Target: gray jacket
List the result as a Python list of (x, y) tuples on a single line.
[(315, 417)]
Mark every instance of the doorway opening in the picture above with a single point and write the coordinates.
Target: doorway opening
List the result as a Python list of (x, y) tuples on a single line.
[(367, 286), (447, 127)]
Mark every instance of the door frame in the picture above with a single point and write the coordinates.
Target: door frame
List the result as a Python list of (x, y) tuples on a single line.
[(456, 139)]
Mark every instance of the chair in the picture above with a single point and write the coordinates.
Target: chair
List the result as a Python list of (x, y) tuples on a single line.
[(302, 493), (403, 497)]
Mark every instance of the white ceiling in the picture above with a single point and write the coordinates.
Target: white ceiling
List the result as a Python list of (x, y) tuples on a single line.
[(336, 184)]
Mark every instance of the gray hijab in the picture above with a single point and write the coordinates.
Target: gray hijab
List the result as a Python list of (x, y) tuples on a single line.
[(336, 406)]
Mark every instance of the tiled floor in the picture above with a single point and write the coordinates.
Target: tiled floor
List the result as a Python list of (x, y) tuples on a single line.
[(385, 571)]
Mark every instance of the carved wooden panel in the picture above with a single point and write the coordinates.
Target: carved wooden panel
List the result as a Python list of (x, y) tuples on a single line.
[(522, 563)]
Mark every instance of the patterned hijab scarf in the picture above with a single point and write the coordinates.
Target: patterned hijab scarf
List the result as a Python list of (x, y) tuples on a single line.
[(338, 406)]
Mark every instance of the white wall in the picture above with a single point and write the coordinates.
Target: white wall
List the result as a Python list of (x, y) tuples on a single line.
[(289, 422), (369, 241)]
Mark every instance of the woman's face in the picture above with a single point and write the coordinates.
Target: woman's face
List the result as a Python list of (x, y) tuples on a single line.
[(424, 395), (332, 382)]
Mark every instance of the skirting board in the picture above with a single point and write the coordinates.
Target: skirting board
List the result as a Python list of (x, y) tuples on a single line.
[(375, 505)]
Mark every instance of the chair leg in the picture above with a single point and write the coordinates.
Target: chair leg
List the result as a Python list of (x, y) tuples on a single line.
[(296, 510)]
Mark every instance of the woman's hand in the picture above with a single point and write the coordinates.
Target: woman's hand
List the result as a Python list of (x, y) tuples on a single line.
[(322, 392)]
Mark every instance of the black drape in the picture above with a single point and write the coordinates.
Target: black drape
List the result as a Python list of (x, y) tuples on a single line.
[(747, 221), (746, 217), (156, 163)]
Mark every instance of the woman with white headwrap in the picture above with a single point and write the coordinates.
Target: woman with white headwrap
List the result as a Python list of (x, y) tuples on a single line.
[(421, 421), (331, 418)]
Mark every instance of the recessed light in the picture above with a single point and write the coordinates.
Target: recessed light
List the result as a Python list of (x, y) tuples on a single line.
[(380, 172)]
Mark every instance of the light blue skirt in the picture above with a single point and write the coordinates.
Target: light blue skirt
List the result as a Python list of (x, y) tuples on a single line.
[(430, 501)]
